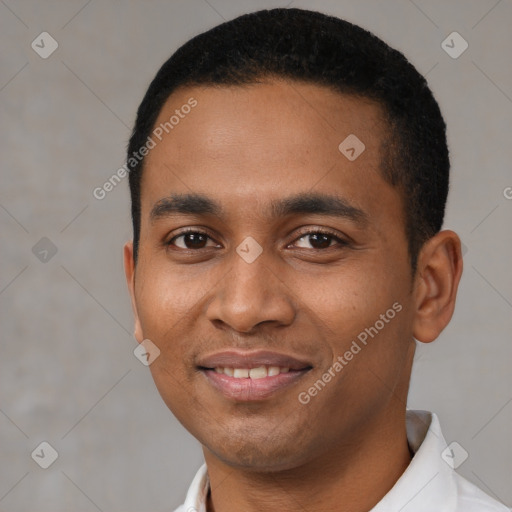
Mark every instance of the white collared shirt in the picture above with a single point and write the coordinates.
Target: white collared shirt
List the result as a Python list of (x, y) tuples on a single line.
[(429, 484)]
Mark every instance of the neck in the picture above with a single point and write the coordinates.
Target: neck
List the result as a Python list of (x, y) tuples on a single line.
[(356, 475)]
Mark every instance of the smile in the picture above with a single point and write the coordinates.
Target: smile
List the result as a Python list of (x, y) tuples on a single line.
[(241, 386), (252, 373)]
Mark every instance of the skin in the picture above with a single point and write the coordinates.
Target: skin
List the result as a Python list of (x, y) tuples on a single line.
[(244, 147)]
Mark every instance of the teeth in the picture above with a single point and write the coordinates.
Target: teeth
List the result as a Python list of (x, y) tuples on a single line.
[(252, 373), (258, 373), (273, 370)]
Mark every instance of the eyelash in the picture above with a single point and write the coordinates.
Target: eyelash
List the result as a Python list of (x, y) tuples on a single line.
[(326, 232)]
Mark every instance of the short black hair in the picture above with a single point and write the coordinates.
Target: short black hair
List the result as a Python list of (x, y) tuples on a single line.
[(312, 47)]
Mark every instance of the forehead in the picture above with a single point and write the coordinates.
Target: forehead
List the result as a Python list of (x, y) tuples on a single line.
[(250, 144)]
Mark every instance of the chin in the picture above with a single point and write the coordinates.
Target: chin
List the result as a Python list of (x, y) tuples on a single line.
[(261, 453), (251, 458)]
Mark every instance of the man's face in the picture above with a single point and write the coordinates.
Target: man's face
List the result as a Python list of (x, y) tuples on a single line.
[(322, 278)]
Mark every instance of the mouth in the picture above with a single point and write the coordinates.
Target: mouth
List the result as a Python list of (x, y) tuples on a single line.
[(252, 376)]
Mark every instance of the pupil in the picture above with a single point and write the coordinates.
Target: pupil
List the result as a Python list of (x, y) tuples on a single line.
[(194, 240), (324, 241)]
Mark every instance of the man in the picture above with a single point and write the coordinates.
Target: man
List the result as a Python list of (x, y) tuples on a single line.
[(288, 175)]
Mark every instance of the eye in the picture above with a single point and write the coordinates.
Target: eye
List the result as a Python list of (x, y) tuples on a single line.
[(191, 240), (319, 240)]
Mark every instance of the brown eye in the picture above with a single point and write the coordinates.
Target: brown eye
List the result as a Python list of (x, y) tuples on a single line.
[(190, 240), (318, 240)]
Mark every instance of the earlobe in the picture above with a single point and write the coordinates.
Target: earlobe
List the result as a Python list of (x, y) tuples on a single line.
[(436, 283), (129, 270)]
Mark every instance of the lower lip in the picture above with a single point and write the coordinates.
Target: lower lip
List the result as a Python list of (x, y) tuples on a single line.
[(249, 390)]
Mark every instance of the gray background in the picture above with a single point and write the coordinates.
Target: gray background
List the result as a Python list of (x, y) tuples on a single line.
[(68, 375)]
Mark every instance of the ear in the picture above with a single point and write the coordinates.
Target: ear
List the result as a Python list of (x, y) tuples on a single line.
[(129, 270), (435, 285)]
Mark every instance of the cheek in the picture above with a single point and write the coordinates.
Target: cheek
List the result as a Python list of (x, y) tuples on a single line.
[(163, 299), (171, 308), (162, 309), (165, 313), (348, 299)]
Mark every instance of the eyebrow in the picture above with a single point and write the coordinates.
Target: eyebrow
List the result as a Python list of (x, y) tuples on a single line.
[(192, 204), (304, 203)]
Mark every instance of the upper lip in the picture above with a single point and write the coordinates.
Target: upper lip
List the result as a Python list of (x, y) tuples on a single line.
[(251, 359)]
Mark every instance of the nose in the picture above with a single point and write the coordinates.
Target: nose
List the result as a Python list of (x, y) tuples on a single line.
[(249, 295)]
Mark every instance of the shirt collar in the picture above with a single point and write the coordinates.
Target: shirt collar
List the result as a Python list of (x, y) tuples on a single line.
[(427, 484), (197, 492)]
